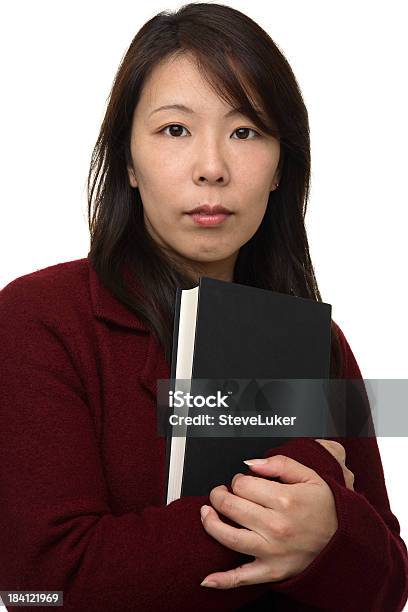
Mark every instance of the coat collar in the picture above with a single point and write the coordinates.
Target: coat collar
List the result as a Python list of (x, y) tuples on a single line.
[(107, 307)]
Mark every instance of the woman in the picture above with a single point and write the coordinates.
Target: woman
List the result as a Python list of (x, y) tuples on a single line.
[(84, 342)]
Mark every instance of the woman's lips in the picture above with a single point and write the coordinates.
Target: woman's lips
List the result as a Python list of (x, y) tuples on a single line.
[(208, 220)]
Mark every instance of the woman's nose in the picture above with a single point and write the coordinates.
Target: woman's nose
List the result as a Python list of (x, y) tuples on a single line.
[(211, 165)]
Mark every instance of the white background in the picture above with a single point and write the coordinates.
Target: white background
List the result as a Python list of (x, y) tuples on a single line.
[(58, 64)]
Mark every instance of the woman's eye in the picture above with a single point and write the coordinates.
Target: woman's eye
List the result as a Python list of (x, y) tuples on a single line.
[(244, 130), (175, 130)]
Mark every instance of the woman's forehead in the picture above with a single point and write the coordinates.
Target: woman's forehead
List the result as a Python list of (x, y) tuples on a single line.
[(178, 84)]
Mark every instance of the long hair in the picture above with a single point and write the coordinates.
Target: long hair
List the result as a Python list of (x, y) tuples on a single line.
[(243, 65)]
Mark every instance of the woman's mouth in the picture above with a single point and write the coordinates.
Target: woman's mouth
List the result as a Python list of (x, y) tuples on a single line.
[(208, 220)]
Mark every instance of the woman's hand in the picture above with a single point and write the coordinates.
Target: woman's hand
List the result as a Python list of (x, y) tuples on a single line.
[(284, 524), (339, 452)]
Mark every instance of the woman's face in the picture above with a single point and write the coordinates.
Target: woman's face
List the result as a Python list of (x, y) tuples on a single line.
[(186, 158)]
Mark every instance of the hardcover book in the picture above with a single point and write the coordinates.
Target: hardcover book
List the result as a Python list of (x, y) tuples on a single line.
[(225, 331)]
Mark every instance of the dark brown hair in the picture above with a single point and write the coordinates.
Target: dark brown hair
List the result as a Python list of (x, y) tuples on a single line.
[(245, 68)]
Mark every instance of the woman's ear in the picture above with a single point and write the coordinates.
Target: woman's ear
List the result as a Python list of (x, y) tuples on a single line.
[(277, 175), (275, 181), (132, 178)]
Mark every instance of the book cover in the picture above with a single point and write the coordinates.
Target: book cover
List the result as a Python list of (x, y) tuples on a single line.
[(225, 331)]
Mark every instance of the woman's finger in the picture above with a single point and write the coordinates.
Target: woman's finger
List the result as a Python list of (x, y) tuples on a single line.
[(338, 451), (349, 478), (267, 493), (236, 538), (250, 573), (335, 448), (243, 511)]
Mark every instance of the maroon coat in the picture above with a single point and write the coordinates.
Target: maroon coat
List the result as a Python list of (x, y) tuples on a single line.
[(82, 473)]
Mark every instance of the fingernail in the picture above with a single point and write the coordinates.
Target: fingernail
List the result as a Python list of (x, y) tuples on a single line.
[(204, 511), (255, 461), (209, 583), (236, 476)]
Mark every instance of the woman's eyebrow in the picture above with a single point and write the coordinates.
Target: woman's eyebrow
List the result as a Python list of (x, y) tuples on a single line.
[(186, 109)]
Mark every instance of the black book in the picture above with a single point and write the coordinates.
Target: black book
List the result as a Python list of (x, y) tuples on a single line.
[(225, 331)]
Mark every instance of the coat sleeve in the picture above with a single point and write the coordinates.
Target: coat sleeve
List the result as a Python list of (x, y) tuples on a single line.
[(364, 566), (57, 531)]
